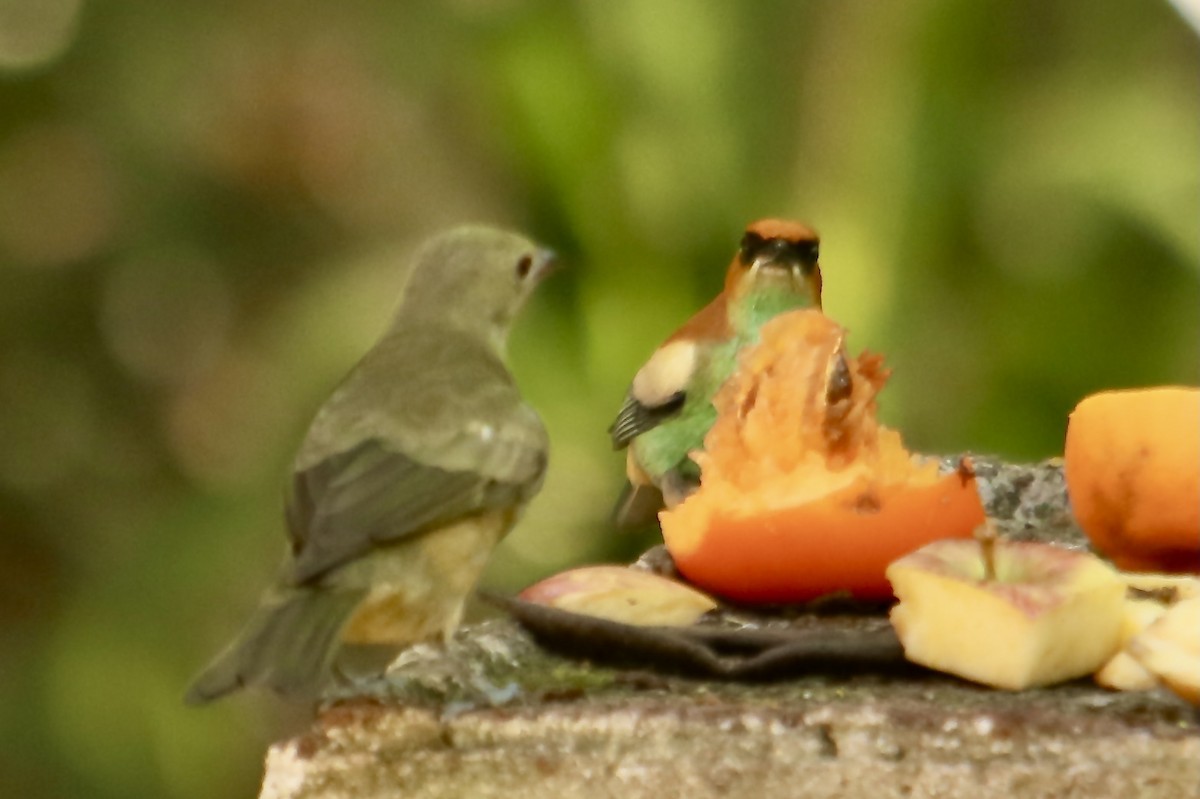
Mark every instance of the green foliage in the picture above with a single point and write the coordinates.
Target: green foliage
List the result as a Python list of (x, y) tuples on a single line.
[(204, 209)]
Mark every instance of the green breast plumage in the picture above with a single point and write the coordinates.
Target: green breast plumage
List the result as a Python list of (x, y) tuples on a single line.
[(667, 446)]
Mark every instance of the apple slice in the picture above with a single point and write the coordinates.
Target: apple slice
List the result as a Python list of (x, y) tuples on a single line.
[(618, 593), (1009, 614), (1123, 672), (1170, 649)]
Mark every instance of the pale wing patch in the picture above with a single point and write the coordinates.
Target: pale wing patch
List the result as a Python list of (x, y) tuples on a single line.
[(667, 373)]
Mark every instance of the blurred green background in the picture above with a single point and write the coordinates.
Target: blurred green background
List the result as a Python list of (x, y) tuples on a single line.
[(205, 209)]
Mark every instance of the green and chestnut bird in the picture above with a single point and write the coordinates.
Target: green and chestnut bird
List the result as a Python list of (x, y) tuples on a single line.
[(418, 464), (668, 409)]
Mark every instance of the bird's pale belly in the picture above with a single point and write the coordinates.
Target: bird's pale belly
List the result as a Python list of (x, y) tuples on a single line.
[(419, 586)]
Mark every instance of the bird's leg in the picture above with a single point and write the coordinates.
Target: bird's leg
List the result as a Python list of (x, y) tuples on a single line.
[(453, 620)]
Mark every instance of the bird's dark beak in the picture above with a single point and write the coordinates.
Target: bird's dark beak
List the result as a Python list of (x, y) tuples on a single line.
[(791, 262), (774, 256), (787, 258)]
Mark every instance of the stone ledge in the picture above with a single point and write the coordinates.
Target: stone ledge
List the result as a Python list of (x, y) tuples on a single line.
[(875, 738)]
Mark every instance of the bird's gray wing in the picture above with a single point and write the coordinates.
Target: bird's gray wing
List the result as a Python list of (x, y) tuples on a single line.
[(636, 418), (343, 506), (379, 466)]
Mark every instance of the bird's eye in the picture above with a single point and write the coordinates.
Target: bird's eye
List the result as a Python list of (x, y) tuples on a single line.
[(524, 266), (807, 253)]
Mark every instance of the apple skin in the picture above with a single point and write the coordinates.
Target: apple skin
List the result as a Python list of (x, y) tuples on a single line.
[(621, 594), (1048, 615)]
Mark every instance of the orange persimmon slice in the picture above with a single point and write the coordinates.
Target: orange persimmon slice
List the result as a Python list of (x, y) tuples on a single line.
[(1132, 464), (803, 492)]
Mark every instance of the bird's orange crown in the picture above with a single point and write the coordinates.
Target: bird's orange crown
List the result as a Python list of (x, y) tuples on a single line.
[(782, 229)]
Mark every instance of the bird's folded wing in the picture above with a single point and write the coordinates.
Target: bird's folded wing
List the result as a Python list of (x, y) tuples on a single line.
[(658, 391), (635, 418), (372, 494)]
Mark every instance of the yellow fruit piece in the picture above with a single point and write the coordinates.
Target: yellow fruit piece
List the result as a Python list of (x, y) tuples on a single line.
[(1046, 615), (1123, 672), (1137, 615), (1170, 649)]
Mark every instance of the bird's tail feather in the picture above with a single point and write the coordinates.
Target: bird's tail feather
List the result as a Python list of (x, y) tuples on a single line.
[(287, 646)]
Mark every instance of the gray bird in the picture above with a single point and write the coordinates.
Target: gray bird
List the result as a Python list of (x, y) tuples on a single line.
[(419, 463)]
